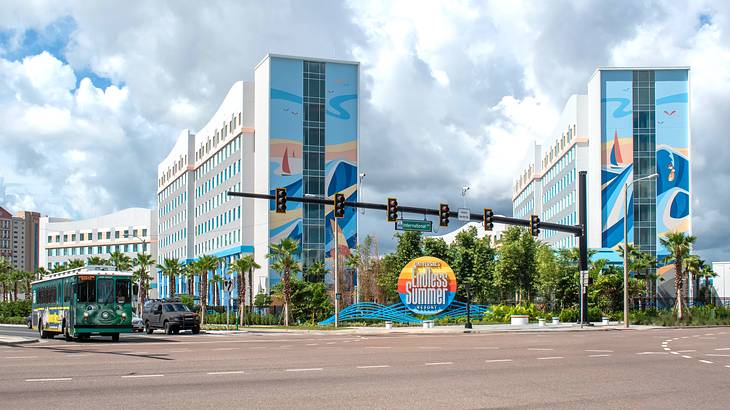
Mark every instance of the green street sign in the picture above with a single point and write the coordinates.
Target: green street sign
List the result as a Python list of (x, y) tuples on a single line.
[(413, 225)]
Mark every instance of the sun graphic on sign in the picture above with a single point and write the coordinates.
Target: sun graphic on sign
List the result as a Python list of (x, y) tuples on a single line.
[(427, 285)]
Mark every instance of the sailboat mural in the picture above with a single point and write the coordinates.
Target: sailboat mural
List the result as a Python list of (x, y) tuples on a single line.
[(285, 168), (616, 158)]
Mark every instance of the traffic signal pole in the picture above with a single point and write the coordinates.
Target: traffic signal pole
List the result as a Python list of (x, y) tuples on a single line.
[(577, 230)]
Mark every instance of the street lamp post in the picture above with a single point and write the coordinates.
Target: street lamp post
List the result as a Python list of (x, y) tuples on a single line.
[(360, 197), (144, 242), (626, 245)]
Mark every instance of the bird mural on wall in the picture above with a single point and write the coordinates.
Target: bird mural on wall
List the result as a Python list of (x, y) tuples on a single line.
[(670, 113)]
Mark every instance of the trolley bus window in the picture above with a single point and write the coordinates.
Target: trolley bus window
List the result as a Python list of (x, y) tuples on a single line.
[(105, 290), (86, 291), (123, 291)]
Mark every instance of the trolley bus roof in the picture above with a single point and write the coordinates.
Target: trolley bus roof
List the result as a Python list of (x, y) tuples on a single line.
[(97, 270)]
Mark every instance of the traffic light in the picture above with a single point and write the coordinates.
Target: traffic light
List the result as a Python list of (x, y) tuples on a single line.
[(444, 215), (280, 200), (339, 205), (392, 209), (534, 225), (488, 219)]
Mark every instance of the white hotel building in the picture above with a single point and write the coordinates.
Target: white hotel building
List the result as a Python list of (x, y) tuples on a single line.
[(130, 231), (295, 127)]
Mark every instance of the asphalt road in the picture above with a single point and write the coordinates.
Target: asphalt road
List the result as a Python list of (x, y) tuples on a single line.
[(665, 368)]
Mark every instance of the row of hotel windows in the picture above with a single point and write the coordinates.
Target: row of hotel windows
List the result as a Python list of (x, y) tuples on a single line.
[(215, 201), (525, 209), (219, 220), (98, 250), (525, 193), (570, 219), (566, 181), (222, 241), (558, 167), (168, 240), (222, 155), (219, 178), (89, 236), (175, 185), (219, 135), (179, 199), (559, 145), (178, 218), (560, 205)]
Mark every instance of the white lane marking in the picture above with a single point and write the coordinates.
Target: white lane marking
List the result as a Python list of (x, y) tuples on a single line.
[(284, 346), (686, 351), (330, 343), (20, 357), (497, 360), (312, 344), (138, 353), (685, 337), (54, 379), (225, 349), (550, 358), (259, 347), (486, 348), (180, 350), (378, 366), (598, 351), (653, 353), (674, 352), (539, 348), (718, 355), (139, 376), (686, 357), (708, 338), (709, 334), (706, 361), (727, 365), (378, 347), (723, 348), (313, 369), (230, 372), (666, 348), (77, 354), (599, 355), (438, 363)]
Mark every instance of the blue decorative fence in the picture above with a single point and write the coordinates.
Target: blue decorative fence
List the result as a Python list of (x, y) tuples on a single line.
[(399, 313)]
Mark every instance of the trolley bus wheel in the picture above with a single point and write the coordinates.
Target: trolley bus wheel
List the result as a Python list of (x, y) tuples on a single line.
[(42, 333), (115, 337)]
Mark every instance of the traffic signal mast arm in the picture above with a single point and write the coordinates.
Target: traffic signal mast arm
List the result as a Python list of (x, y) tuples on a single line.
[(574, 229)]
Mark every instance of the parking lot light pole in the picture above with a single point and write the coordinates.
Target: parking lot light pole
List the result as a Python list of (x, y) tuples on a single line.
[(626, 245)]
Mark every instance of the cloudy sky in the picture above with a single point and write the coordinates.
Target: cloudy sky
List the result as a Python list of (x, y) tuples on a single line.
[(93, 94)]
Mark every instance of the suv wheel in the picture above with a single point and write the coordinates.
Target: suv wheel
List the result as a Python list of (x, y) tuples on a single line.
[(147, 328), (168, 328), (196, 330)]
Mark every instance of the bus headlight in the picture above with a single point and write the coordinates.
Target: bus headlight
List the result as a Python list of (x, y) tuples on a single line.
[(86, 315), (124, 315)]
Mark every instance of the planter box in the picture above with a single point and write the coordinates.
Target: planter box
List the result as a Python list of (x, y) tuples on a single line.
[(541, 322), (604, 321), (388, 324), (556, 320), (519, 320)]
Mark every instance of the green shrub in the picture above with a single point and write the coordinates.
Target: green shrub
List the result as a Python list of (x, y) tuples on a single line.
[(502, 313), (15, 308), (13, 320)]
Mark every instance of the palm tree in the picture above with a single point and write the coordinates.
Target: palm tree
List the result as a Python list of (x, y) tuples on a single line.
[(96, 260), (26, 278), (143, 262), (207, 263), (679, 245), (216, 281), (75, 264), (284, 261), (171, 268), (190, 271), (5, 269), (120, 261), (41, 272), (244, 266), (316, 272)]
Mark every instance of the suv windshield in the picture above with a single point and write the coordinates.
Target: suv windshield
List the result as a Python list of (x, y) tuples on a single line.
[(169, 307), (181, 308)]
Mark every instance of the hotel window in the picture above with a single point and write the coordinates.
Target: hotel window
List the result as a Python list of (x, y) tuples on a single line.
[(65, 238), (116, 234), (50, 239)]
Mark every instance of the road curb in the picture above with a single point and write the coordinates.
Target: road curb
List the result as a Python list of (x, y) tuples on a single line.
[(20, 342)]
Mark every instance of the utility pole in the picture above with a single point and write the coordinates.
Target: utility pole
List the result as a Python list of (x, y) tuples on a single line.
[(337, 278), (583, 245)]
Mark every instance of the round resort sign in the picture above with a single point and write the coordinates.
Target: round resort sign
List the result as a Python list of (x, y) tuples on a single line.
[(427, 285)]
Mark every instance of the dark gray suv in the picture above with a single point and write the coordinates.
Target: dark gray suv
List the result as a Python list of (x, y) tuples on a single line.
[(170, 315)]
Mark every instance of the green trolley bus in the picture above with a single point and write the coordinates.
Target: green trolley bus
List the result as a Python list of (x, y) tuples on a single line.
[(78, 303)]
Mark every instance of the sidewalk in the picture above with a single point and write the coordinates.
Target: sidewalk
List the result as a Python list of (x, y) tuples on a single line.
[(16, 340), (448, 329)]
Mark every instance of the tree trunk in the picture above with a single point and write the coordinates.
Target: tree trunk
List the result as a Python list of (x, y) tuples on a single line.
[(15, 291), (678, 288), (171, 286), (250, 290), (203, 296), (241, 276), (287, 294)]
